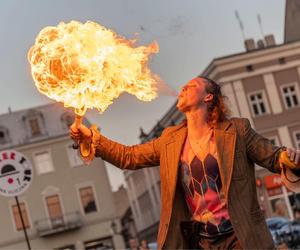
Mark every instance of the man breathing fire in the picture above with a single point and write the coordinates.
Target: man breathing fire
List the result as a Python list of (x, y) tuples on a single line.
[(207, 172)]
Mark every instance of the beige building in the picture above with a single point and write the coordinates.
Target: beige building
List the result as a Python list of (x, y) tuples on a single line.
[(68, 205)]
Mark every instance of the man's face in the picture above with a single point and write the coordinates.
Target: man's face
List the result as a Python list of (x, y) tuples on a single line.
[(193, 95), (133, 243)]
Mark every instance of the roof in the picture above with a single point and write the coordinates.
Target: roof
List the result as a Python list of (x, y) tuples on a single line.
[(52, 120)]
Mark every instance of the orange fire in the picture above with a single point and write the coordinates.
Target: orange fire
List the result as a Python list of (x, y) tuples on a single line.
[(88, 66)]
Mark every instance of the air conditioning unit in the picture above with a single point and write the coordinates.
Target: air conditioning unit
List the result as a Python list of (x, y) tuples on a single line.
[(260, 44)]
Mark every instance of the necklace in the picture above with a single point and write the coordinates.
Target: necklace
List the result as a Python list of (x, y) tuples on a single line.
[(201, 147)]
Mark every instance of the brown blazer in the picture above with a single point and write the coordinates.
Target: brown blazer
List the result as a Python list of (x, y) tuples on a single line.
[(238, 148)]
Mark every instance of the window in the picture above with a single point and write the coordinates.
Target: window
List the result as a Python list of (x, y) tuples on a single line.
[(4, 135), (274, 140), (74, 158), (146, 207), (297, 139), (87, 199), (34, 126), (34, 123), (67, 119), (290, 95), (258, 103), (249, 68), (17, 217), (55, 211), (43, 162), (103, 243)]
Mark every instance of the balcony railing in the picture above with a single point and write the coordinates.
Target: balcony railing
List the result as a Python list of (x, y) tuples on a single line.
[(58, 224)]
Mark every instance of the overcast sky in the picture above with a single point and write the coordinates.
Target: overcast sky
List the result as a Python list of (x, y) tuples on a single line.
[(190, 34)]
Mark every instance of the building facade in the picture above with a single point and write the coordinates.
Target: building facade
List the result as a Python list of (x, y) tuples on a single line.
[(68, 205)]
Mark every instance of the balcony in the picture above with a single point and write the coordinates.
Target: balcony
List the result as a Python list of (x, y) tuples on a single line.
[(66, 222)]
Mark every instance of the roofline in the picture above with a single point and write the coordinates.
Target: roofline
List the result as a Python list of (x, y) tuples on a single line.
[(33, 107), (212, 65)]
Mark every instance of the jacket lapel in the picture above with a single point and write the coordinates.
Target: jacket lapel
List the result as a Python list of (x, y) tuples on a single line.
[(173, 151), (225, 144)]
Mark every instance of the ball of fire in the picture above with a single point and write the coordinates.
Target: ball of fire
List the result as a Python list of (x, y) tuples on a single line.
[(88, 66)]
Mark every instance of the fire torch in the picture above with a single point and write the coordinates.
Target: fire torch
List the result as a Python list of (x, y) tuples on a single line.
[(87, 66)]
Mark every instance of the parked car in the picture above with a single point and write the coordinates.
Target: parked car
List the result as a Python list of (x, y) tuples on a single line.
[(284, 231)]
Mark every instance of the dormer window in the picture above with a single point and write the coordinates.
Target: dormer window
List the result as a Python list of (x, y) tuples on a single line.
[(35, 123), (4, 136), (34, 126), (67, 119)]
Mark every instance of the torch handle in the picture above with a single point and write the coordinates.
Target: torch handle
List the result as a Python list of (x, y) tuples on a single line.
[(77, 122)]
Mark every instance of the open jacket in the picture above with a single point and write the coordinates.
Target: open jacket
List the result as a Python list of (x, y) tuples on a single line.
[(238, 148)]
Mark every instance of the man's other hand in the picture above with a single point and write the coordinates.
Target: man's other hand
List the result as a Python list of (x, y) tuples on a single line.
[(290, 158)]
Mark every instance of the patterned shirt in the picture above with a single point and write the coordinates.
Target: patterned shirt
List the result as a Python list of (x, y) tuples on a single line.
[(201, 180)]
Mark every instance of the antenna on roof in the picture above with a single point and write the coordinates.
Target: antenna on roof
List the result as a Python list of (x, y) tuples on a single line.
[(240, 23), (260, 25)]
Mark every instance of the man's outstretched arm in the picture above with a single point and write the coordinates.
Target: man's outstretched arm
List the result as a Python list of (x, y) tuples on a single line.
[(124, 157)]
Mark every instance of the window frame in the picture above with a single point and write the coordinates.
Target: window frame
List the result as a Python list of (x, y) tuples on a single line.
[(35, 164), (296, 85), (276, 137), (264, 100), (295, 138), (12, 203), (85, 185), (48, 194), (6, 138)]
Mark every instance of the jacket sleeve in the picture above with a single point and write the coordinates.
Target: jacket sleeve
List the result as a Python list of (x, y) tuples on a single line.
[(260, 150), (122, 156)]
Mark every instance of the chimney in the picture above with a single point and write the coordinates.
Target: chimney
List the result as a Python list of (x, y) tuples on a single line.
[(270, 40), (249, 44), (9, 110), (260, 44)]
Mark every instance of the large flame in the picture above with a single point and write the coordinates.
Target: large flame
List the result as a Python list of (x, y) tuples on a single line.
[(87, 66)]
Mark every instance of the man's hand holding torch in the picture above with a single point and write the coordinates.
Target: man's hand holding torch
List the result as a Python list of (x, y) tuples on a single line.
[(81, 135)]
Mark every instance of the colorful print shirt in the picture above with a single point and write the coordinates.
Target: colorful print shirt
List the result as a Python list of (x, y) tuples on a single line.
[(201, 181)]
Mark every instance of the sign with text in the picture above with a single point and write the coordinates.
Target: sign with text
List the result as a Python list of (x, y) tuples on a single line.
[(15, 173), (273, 181)]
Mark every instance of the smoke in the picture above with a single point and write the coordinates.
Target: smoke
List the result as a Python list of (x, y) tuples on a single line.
[(164, 89)]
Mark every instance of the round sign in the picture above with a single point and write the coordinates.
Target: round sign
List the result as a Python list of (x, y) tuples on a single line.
[(15, 173)]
